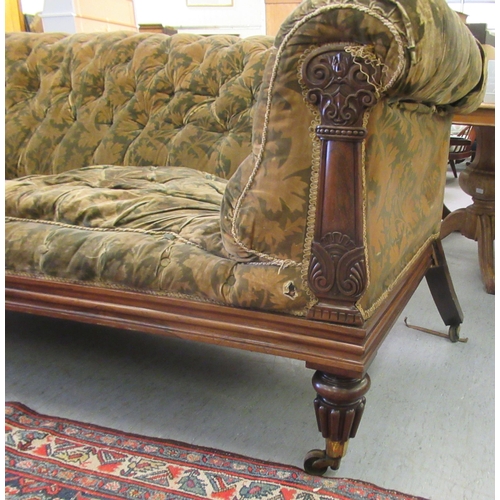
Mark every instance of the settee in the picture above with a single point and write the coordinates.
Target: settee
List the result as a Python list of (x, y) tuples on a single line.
[(275, 195)]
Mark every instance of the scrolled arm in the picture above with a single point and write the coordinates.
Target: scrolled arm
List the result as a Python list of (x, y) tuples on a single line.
[(427, 53)]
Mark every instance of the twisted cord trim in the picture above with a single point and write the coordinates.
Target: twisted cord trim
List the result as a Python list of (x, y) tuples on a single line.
[(114, 286), (366, 313), (399, 69), (314, 183), (150, 232)]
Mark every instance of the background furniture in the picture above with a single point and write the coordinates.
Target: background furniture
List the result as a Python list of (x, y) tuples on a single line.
[(461, 147), (477, 221), (78, 16), (157, 28), (14, 20), (276, 12)]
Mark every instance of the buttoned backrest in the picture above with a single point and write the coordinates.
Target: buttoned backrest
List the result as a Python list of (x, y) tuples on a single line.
[(130, 99)]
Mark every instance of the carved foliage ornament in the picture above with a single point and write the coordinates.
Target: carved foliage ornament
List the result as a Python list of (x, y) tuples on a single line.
[(342, 86)]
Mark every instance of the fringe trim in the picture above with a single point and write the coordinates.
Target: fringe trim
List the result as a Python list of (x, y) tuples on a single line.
[(366, 117), (367, 55), (314, 182)]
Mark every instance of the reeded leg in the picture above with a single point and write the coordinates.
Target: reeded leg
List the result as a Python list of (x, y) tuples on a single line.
[(339, 407), (442, 290)]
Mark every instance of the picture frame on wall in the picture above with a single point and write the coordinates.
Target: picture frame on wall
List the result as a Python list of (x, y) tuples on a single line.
[(209, 3)]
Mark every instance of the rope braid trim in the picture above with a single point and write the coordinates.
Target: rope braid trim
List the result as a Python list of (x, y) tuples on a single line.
[(114, 286), (258, 162), (150, 232), (110, 285), (314, 184)]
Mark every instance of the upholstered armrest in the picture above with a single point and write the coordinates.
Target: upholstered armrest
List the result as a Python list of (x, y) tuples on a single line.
[(349, 147)]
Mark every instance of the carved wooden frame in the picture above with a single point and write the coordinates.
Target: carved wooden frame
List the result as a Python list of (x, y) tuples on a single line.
[(342, 86)]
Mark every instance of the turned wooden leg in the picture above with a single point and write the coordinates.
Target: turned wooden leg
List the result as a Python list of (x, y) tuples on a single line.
[(479, 225), (339, 406), (452, 222), (439, 280), (485, 239)]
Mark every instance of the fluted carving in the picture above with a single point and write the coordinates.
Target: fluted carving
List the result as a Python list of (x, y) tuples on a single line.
[(339, 405)]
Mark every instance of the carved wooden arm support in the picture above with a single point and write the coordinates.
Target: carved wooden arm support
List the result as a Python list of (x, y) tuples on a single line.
[(342, 86)]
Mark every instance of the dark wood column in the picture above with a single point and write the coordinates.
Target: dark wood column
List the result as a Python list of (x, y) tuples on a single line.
[(342, 86)]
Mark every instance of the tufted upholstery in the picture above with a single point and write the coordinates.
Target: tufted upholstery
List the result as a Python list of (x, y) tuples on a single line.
[(134, 103), (130, 99), (187, 165)]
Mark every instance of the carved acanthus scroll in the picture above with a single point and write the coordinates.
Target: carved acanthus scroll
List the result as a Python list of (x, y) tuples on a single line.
[(342, 86)]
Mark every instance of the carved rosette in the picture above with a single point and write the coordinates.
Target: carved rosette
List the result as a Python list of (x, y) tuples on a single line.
[(342, 86)]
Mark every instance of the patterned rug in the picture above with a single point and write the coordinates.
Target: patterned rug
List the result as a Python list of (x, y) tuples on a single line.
[(58, 459)]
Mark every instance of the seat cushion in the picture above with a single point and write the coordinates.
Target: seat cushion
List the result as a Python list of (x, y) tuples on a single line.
[(151, 229)]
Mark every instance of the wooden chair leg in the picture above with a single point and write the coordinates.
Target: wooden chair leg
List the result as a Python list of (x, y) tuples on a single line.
[(439, 280), (339, 407)]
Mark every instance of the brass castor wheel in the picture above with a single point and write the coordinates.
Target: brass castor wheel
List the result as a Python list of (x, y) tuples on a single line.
[(454, 333), (317, 462)]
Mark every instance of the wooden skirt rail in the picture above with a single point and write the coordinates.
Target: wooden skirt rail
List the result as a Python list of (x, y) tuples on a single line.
[(345, 350)]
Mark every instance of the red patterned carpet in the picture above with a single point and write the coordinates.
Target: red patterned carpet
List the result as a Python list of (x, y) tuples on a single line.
[(51, 458)]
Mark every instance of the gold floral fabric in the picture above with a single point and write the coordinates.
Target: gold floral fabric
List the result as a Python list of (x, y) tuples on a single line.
[(154, 229), (269, 207), (407, 145), (403, 37), (187, 165), (130, 99)]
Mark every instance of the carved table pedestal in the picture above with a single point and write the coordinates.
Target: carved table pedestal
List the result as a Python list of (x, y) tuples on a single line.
[(477, 221)]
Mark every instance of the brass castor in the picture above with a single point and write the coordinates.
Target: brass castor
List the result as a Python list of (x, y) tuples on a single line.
[(317, 462), (454, 333)]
